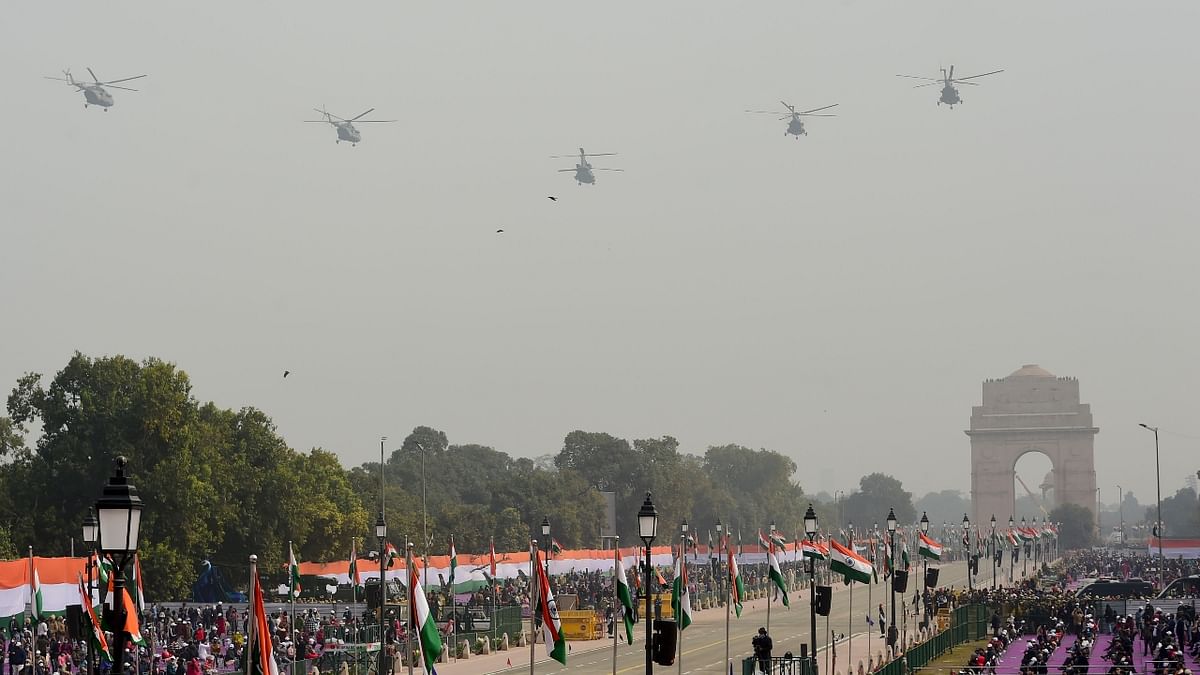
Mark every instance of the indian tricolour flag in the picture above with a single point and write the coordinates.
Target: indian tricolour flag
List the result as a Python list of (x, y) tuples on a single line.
[(99, 642), (928, 547), (426, 627), (293, 573), (624, 596), (355, 577), (36, 602), (814, 550), (737, 590), (681, 599), (849, 564), (556, 643), (776, 575), (453, 562)]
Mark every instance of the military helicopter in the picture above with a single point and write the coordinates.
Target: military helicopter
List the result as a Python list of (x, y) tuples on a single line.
[(345, 127), (583, 170), (94, 92), (795, 125), (949, 93)]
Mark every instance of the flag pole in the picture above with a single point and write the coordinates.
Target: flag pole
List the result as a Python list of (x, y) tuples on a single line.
[(453, 605), (492, 561), (770, 588), (728, 594), (412, 613), (250, 622), (533, 604), (616, 599), (354, 594), (850, 619), (292, 599), (682, 592)]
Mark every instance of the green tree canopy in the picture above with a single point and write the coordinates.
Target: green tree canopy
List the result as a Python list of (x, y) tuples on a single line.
[(1077, 527)]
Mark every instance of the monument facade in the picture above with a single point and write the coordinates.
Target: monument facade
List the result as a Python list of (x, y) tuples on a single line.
[(1031, 410)]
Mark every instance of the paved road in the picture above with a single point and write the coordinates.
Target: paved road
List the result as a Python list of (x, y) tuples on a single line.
[(704, 640)]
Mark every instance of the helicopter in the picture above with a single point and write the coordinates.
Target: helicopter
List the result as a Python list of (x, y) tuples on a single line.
[(949, 92), (795, 124), (94, 92), (583, 170), (345, 127)]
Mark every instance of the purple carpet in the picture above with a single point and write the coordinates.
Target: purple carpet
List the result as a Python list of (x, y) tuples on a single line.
[(1010, 661)]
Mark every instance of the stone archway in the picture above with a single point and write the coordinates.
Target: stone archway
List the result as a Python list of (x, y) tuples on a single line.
[(1031, 410)]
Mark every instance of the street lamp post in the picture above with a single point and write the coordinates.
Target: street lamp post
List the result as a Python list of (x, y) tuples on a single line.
[(891, 528), (90, 531), (1121, 511), (1011, 523), (381, 535), (549, 548), (120, 516), (648, 530), (1158, 500), (720, 546), (924, 560), (992, 549), (1025, 545), (810, 530), (967, 539)]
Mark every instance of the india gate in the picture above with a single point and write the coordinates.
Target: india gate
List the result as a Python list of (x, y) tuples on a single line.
[(1031, 410)]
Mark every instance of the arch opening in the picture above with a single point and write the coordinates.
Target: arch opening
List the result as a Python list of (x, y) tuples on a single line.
[(1033, 485)]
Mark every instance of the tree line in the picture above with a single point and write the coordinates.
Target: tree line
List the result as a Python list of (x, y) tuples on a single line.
[(220, 483)]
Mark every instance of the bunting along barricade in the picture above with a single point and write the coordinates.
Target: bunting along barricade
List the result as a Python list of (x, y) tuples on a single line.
[(471, 567)]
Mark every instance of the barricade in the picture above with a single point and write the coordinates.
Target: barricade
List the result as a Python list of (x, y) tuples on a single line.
[(581, 625)]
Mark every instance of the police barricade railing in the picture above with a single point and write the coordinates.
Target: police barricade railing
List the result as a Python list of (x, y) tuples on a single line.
[(778, 665)]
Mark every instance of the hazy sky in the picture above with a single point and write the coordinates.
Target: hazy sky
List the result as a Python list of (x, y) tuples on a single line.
[(838, 298)]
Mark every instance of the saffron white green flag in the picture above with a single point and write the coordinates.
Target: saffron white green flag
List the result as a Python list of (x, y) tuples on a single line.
[(453, 562), (293, 573), (681, 599), (624, 596), (427, 630), (36, 602), (928, 547), (556, 643), (776, 575), (737, 590), (849, 564), (355, 577)]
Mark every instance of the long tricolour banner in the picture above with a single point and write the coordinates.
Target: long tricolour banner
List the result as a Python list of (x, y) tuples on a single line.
[(1188, 549)]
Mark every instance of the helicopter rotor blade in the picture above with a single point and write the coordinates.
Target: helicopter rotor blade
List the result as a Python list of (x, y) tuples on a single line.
[(808, 112), (811, 115), (929, 84), (60, 79), (602, 169), (94, 78), (769, 112), (918, 77), (113, 86), (361, 114), (123, 79), (951, 75), (357, 121), (328, 114), (565, 170), (973, 84), (973, 76)]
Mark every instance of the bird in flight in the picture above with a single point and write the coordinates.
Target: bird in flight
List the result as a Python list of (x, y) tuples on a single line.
[(553, 199), (286, 373), (499, 231)]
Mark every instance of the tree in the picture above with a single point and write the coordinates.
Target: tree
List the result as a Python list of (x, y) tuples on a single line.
[(944, 506), (1076, 526), (877, 494)]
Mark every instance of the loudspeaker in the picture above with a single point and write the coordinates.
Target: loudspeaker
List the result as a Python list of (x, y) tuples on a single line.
[(664, 642), (900, 581), (931, 575), (74, 620), (824, 599), (371, 592)]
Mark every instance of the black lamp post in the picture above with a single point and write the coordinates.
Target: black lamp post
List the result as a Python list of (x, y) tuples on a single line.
[(1158, 525), (891, 528), (992, 548), (720, 546), (1011, 523), (967, 539), (924, 560), (549, 546), (381, 535), (91, 529), (120, 517), (1024, 545), (648, 530), (810, 531)]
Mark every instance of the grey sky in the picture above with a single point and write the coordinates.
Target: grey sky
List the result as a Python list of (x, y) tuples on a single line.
[(838, 298)]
